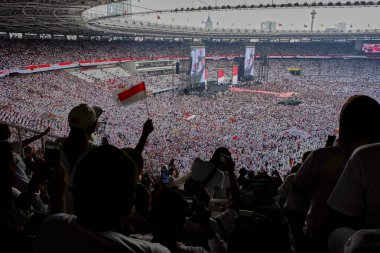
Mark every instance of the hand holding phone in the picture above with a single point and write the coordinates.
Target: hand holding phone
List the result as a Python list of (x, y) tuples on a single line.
[(165, 177), (53, 155)]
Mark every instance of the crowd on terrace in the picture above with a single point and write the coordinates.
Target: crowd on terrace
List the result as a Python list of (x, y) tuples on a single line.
[(20, 53)]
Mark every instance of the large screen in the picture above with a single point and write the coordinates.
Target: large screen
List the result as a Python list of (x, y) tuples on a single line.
[(198, 65), (249, 60), (371, 48)]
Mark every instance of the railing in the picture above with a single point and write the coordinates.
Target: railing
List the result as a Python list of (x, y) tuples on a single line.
[(28, 132)]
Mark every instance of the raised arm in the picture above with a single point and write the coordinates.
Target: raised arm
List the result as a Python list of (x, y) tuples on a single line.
[(26, 142), (147, 129)]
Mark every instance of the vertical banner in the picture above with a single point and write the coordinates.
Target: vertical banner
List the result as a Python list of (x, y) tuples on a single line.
[(249, 60), (220, 76), (198, 65), (235, 70), (206, 76)]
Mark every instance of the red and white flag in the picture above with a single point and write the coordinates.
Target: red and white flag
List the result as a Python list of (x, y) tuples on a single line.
[(235, 70), (188, 116), (131, 95), (220, 76)]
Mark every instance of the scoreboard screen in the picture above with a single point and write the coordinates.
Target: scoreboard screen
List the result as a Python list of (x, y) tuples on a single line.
[(371, 48)]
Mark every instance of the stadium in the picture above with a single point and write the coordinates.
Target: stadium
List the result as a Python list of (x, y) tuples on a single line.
[(266, 80)]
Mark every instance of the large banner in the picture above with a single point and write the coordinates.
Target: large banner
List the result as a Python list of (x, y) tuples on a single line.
[(249, 60), (220, 76), (198, 66), (235, 70), (371, 48)]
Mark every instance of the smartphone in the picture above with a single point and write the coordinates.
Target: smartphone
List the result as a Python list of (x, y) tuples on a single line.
[(53, 154), (165, 176), (189, 202)]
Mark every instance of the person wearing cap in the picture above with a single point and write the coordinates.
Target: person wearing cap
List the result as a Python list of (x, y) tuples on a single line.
[(83, 121)]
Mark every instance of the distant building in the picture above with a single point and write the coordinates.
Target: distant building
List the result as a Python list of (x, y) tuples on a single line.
[(268, 26), (341, 26), (208, 24)]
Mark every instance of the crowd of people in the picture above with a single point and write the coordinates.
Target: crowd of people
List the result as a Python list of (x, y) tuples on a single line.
[(258, 130), (21, 53), (298, 165)]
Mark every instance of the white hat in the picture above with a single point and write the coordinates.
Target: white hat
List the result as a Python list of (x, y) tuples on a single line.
[(84, 116), (364, 240)]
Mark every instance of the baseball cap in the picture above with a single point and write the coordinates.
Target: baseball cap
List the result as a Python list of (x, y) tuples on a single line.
[(84, 116)]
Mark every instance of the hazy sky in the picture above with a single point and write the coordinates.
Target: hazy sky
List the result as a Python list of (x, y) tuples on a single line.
[(359, 18)]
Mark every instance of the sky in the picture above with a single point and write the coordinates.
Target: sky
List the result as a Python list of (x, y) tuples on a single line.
[(289, 18)]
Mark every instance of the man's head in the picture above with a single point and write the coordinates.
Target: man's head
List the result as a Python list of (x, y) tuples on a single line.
[(243, 172), (218, 156), (5, 132), (84, 117), (168, 213), (359, 120), (104, 188)]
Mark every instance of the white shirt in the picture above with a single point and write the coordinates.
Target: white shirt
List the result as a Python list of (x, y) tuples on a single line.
[(201, 169), (357, 192), (318, 176)]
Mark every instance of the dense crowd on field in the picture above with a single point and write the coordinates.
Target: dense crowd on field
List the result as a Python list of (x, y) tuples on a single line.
[(261, 133)]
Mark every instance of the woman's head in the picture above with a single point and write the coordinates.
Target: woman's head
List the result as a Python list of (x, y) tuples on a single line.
[(359, 120)]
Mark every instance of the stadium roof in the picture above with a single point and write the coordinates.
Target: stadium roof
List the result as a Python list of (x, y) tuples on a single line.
[(46, 16), (69, 18)]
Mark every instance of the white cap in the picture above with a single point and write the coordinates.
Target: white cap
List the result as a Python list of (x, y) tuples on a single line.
[(84, 116)]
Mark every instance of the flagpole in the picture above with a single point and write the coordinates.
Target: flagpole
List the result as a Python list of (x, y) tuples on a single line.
[(147, 108)]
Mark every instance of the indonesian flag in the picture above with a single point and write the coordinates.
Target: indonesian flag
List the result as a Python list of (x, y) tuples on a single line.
[(235, 137), (131, 95), (232, 120), (235, 74), (220, 76), (188, 116)]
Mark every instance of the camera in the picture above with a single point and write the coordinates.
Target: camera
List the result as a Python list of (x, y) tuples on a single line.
[(53, 155), (189, 202), (165, 177)]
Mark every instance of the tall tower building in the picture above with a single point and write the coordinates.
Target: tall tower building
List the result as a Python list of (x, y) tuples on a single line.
[(208, 24)]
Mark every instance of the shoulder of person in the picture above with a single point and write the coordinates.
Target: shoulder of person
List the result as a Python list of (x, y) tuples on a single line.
[(56, 222), (365, 239), (141, 242), (325, 150), (368, 148)]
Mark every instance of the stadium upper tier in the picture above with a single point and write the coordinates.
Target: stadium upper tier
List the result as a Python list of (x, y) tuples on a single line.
[(21, 53), (69, 18)]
